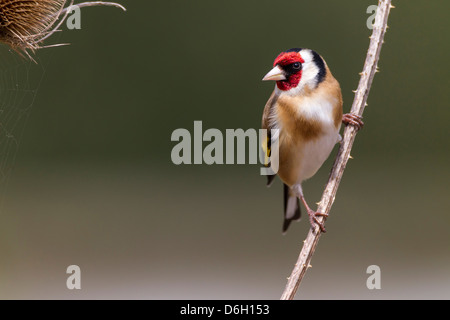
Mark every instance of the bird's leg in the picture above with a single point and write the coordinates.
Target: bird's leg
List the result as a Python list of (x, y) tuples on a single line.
[(313, 216), (311, 213), (353, 120)]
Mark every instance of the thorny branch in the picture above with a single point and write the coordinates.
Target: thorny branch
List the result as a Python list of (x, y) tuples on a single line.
[(329, 194)]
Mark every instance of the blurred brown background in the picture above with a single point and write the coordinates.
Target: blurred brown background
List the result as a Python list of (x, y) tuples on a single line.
[(90, 181)]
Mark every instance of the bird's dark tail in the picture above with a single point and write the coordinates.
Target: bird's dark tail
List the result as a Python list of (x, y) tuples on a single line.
[(291, 208)]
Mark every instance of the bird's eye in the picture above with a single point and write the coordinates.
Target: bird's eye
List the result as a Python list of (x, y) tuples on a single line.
[(296, 65)]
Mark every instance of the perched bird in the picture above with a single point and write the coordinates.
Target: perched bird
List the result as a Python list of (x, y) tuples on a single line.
[(306, 108)]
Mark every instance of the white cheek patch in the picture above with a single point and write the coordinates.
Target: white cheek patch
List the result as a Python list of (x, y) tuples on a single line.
[(306, 54), (309, 71)]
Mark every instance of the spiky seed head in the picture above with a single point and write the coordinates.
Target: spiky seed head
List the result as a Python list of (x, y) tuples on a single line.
[(24, 23)]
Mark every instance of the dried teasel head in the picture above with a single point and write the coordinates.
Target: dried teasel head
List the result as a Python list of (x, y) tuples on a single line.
[(25, 24)]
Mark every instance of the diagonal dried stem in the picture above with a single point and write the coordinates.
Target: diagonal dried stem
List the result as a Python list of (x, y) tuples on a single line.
[(329, 194)]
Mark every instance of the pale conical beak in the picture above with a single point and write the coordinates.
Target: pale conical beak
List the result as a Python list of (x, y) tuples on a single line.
[(276, 74)]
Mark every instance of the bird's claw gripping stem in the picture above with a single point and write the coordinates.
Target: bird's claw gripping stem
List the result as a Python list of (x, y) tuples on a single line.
[(353, 120)]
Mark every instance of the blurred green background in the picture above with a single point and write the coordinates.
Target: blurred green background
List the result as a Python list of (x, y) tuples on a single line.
[(92, 182)]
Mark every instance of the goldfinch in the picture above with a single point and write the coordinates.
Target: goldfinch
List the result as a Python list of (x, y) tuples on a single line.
[(306, 110)]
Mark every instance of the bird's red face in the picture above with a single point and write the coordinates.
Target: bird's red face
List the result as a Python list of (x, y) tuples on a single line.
[(287, 70), (291, 63)]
